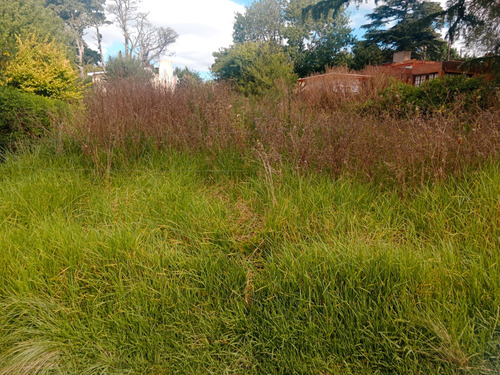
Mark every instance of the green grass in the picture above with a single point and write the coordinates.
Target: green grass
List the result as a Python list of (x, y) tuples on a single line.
[(192, 265)]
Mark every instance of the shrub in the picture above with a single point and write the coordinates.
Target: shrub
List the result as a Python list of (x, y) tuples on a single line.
[(450, 93), (123, 67), (24, 113), (42, 68), (187, 77)]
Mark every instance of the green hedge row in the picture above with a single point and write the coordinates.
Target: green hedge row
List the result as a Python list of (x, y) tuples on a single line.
[(24, 114)]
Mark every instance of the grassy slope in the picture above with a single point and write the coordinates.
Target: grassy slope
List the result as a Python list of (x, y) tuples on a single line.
[(180, 266)]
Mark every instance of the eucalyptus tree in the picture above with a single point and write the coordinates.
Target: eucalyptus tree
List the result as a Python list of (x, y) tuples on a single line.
[(126, 13), (151, 42), (141, 38), (78, 15)]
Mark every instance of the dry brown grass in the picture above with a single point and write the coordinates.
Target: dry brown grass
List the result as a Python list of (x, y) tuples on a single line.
[(319, 129)]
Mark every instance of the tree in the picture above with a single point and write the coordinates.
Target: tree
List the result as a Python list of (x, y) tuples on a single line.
[(478, 21), (126, 67), (91, 57), (415, 29), (324, 7), (141, 38), (187, 77), (364, 54), (78, 15), (316, 43), (97, 22), (254, 67), (126, 13), (151, 42), (311, 43), (24, 17), (41, 67), (263, 21)]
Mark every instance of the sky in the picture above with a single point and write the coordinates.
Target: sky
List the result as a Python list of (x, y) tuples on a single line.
[(204, 27)]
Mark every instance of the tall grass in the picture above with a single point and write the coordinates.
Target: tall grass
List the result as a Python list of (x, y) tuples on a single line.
[(318, 130)]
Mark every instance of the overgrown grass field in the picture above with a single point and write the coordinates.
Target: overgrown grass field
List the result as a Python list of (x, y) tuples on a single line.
[(164, 256)]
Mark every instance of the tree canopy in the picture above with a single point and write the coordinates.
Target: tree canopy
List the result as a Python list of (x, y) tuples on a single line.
[(316, 43), (414, 28), (263, 21), (78, 15), (254, 67), (140, 38), (24, 17), (478, 21), (311, 43)]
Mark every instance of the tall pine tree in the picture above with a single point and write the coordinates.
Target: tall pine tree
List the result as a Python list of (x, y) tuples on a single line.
[(412, 28)]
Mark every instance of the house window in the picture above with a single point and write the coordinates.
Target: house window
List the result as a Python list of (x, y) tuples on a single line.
[(420, 79), (425, 77)]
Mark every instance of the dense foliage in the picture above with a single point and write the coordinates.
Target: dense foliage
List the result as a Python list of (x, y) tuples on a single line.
[(311, 44), (407, 25), (254, 67), (78, 16), (445, 95), (25, 114), (186, 76), (123, 67), (41, 67), (24, 17), (476, 20)]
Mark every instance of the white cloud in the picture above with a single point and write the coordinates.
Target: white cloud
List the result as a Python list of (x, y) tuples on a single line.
[(203, 26)]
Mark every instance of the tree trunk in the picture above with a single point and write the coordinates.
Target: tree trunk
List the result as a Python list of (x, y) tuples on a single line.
[(80, 49), (99, 46)]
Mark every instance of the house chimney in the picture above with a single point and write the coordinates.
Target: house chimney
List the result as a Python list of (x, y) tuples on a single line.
[(401, 56)]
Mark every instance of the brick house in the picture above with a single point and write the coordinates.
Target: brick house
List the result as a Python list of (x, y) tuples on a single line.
[(415, 72), (403, 67)]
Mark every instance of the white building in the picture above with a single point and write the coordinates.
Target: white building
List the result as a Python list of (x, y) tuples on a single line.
[(166, 73)]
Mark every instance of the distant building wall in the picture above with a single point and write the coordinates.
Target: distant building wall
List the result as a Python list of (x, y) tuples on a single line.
[(166, 73), (97, 77), (337, 82)]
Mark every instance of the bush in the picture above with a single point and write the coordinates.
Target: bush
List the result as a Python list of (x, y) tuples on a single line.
[(24, 113), (437, 96), (123, 67), (41, 67)]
